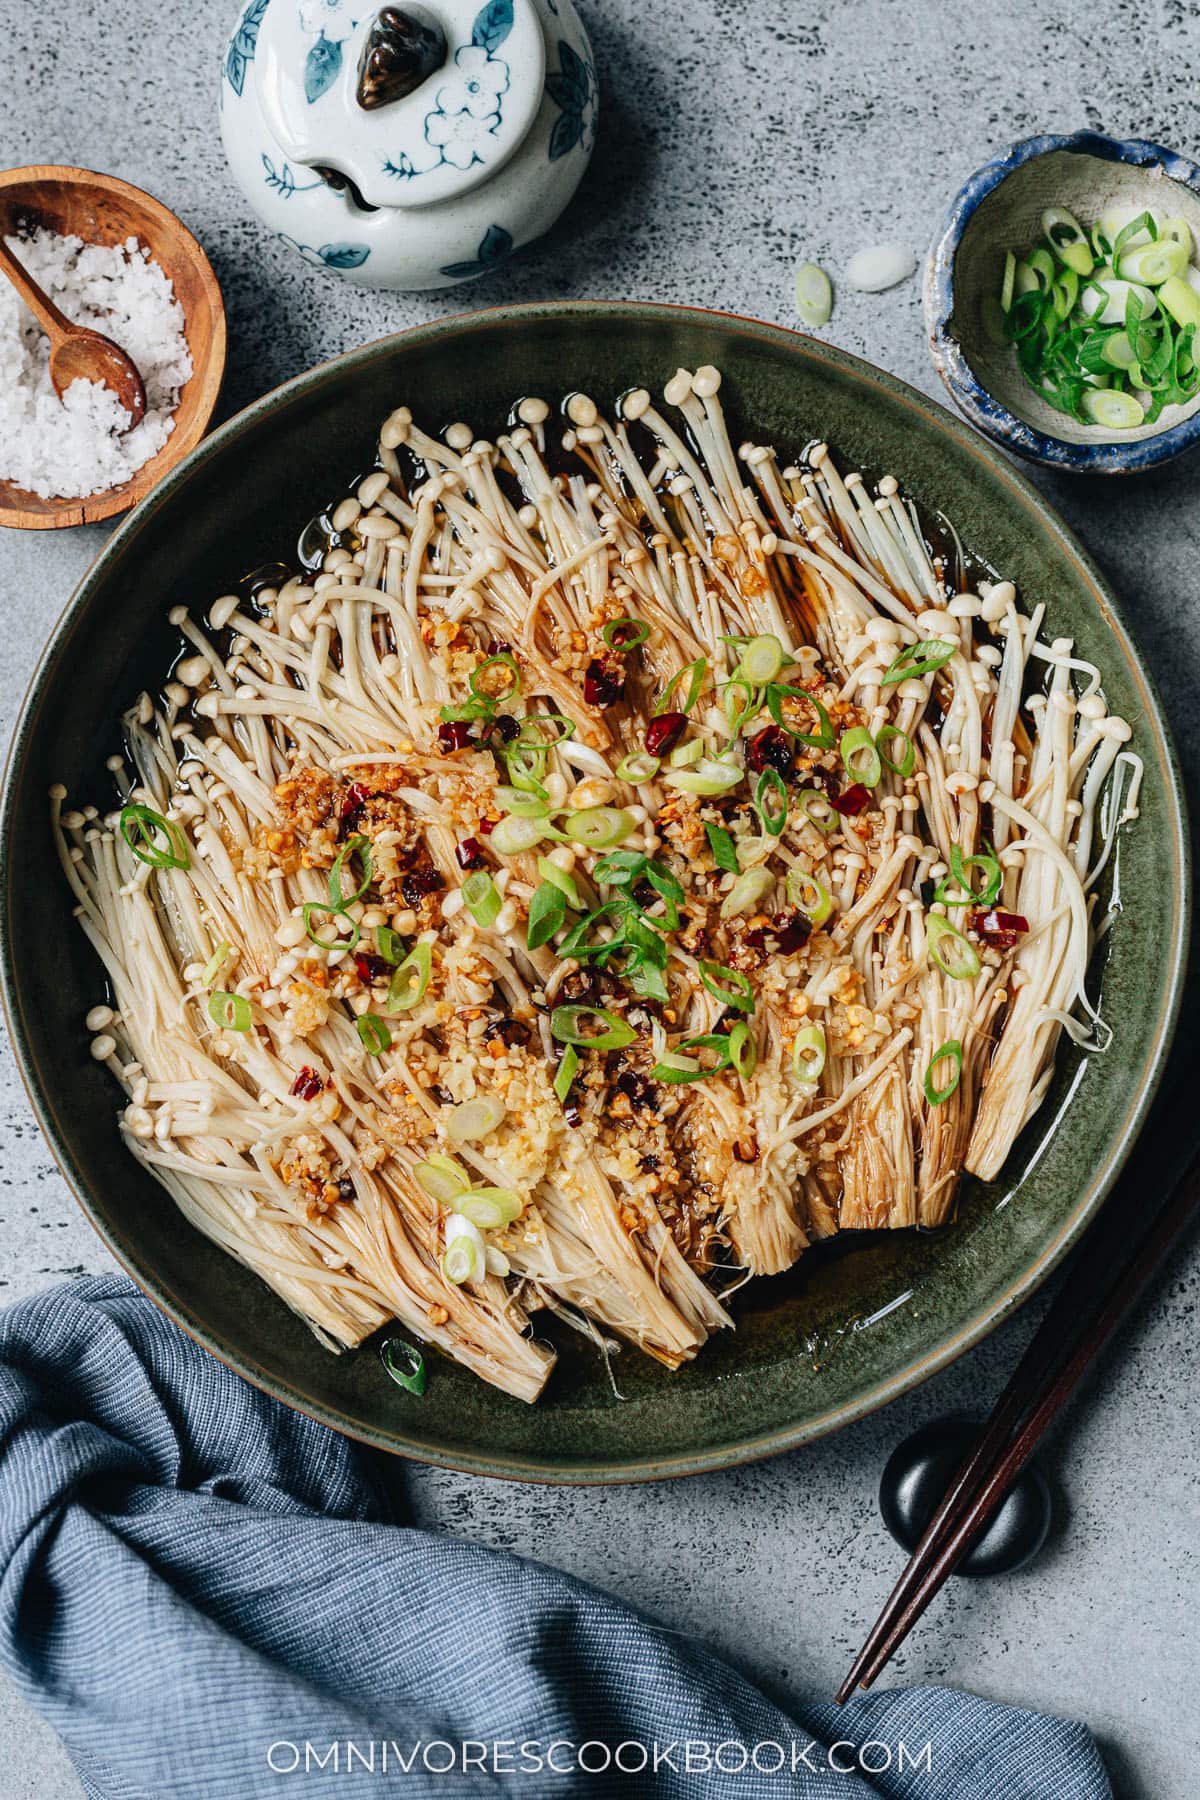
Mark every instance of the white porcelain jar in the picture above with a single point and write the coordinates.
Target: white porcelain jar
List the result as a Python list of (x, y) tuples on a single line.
[(408, 146)]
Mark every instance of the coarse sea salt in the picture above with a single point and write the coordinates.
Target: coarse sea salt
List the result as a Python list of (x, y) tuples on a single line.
[(78, 445)]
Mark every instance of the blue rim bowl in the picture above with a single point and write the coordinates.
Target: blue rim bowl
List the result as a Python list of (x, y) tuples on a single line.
[(980, 407)]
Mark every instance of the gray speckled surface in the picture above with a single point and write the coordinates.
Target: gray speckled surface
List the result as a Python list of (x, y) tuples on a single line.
[(735, 135)]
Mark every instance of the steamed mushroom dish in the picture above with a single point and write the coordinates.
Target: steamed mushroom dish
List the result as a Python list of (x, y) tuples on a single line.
[(620, 859)]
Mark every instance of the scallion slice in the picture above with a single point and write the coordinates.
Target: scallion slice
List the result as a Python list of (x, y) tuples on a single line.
[(442, 1179), (693, 674), (313, 908), (566, 1025), (513, 835), (729, 986), (542, 731), (723, 848), (596, 827), (950, 1050), (739, 702), (142, 827), (481, 897), (526, 766), (954, 954), (376, 1037), (230, 1012), (818, 809), (777, 693), (924, 658), (751, 886), (550, 871), (809, 896), (565, 1074), (771, 802), (411, 979), (547, 914), (743, 1051), (1113, 410), (405, 1364), (489, 1208), (814, 296), (503, 659), (679, 1067), (1068, 238), (637, 768), (958, 877), (476, 1119), (809, 1053), (522, 801), (463, 1259), (888, 734), (623, 635), (860, 757), (687, 753), (216, 962), (360, 846), (710, 776), (761, 661)]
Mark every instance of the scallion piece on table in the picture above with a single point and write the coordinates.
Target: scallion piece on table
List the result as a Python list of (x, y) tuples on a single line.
[(481, 897), (230, 1012), (142, 828), (814, 296), (411, 979), (405, 1364), (950, 1051)]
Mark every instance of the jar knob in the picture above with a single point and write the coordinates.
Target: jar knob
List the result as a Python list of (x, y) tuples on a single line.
[(401, 51)]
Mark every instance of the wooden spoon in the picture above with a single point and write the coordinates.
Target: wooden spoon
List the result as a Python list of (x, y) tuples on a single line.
[(76, 352)]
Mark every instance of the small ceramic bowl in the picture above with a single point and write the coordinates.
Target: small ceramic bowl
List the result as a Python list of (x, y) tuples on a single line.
[(999, 209), (101, 209)]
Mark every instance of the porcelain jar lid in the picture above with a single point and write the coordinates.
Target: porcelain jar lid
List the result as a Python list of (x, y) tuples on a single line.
[(414, 104)]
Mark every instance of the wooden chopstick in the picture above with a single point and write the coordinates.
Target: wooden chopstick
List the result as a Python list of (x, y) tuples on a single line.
[(1101, 1290)]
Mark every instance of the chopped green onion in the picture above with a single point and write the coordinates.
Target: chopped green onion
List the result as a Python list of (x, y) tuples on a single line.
[(959, 864), (502, 659), (771, 802), (475, 1119), (678, 1067), (729, 986), (215, 962), (761, 661), (405, 1364), (389, 944), (623, 635), (481, 897), (550, 871), (489, 1208), (141, 826), (1069, 239), (777, 693), (687, 753), (514, 835), (723, 848), (814, 296), (888, 734), (809, 896), (749, 888), (547, 914), (231, 1012), (309, 911), (694, 673), (358, 845), (1107, 302), (743, 1051), (1010, 275), (739, 702), (374, 1033), (1117, 412), (1181, 301), (526, 765), (860, 756), (596, 827), (950, 950), (1042, 264), (710, 776), (523, 802), (1152, 264), (954, 1050), (469, 709), (924, 658), (411, 979), (809, 1053), (442, 1179), (566, 1025), (568, 1068), (828, 819), (462, 1260), (637, 768)]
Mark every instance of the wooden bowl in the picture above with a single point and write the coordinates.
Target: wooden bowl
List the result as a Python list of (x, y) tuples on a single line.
[(104, 210)]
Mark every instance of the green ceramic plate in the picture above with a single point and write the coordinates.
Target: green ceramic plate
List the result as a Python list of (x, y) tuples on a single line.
[(845, 1331)]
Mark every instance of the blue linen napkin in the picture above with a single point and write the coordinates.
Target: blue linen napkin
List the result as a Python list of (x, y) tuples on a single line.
[(204, 1594)]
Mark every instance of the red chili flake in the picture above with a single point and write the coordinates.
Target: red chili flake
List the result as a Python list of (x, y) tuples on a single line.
[(498, 647), (602, 684), (855, 799), (573, 1117), (308, 1084), (487, 826), (370, 967), (417, 883), (469, 854), (793, 931), (355, 799), (1001, 929), (771, 749), (663, 733), (454, 735)]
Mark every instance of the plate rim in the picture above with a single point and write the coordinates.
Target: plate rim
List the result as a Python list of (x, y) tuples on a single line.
[(521, 1465)]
